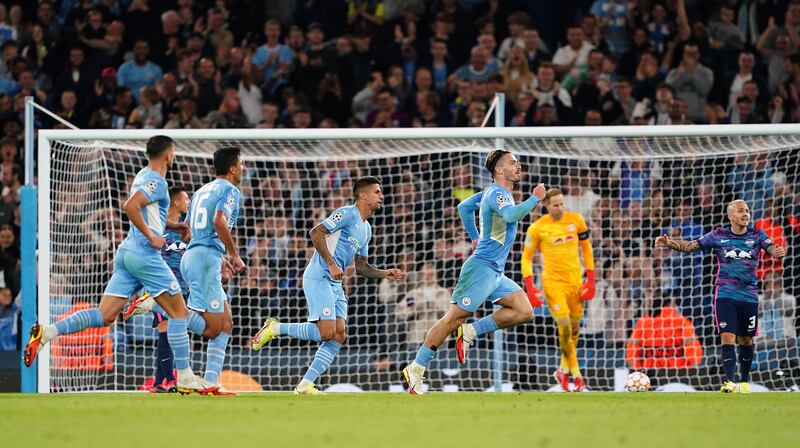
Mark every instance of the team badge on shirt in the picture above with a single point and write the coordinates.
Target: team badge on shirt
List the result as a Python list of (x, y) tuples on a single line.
[(571, 227), (326, 311), (466, 300), (750, 243), (215, 304)]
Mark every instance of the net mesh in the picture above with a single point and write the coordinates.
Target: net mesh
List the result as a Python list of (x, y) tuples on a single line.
[(629, 190)]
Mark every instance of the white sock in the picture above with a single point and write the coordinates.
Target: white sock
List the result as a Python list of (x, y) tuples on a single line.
[(469, 332), (49, 333), (185, 375)]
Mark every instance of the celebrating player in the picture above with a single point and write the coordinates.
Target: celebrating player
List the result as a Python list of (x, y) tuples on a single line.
[(171, 252), (344, 234), (212, 214), (481, 275), (138, 264), (738, 249), (557, 235)]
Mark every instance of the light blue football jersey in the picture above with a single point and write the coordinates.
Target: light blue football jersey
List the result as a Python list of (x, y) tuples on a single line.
[(349, 235), (214, 196), (154, 187), (497, 234)]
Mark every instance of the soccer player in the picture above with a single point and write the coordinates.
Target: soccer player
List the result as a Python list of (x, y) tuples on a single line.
[(557, 236), (138, 264), (738, 249), (345, 234), (212, 214), (481, 275), (171, 252)]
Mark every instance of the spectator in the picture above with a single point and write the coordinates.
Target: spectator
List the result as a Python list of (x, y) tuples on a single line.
[(270, 56), (8, 321), (547, 90), (269, 116), (139, 72), (774, 56), (534, 49), (115, 116), (35, 51), (573, 55), (428, 111), (67, 108), (440, 63), (517, 22), (599, 312), (187, 117), (771, 223), (614, 16), (206, 87), (386, 115), (149, 113), (778, 319), (422, 306), (478, 68), (229, 115), (732, 84), (692, 80), (516, 74), (663, 340), (662, 108)]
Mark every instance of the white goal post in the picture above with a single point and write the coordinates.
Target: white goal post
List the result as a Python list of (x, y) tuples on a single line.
[(619, 177)]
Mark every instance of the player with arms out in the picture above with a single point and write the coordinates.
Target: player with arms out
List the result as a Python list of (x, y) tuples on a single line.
[(557, 236), (345, 234), (481, 277), (138, 264), (738, 250)]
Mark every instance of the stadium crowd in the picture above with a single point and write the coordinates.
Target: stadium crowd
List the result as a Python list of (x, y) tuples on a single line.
[(193, 64)]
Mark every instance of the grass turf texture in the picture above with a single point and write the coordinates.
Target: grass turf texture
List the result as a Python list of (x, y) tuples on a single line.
[(379, 420)]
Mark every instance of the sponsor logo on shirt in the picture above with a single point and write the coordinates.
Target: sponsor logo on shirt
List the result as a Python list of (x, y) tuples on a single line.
[(355, 243), (571, 227), (738, 255)]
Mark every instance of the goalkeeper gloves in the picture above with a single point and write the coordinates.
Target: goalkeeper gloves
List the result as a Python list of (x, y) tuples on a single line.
[(588, 290), (534, 295)]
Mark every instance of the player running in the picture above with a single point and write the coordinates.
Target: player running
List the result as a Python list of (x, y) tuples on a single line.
[(345, 234), (212, 214), (557, 236), (482, 276), (171, 252), (138, 264), (738, 249)]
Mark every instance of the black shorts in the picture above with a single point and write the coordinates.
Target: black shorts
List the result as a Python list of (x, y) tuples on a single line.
[(739, 318), (158, 318)]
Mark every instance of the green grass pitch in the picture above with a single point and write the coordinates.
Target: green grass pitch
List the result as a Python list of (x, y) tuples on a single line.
[(386, 420)]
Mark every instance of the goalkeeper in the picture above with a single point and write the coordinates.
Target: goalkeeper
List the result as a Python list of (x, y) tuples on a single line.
[(557, 236)]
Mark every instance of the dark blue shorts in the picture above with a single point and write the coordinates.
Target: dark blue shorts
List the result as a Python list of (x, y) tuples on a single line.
[(158, 318), (734, 316)]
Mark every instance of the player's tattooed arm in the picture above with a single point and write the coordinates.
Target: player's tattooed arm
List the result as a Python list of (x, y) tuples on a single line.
[(677, 245), (776, 251), (364, 269)]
